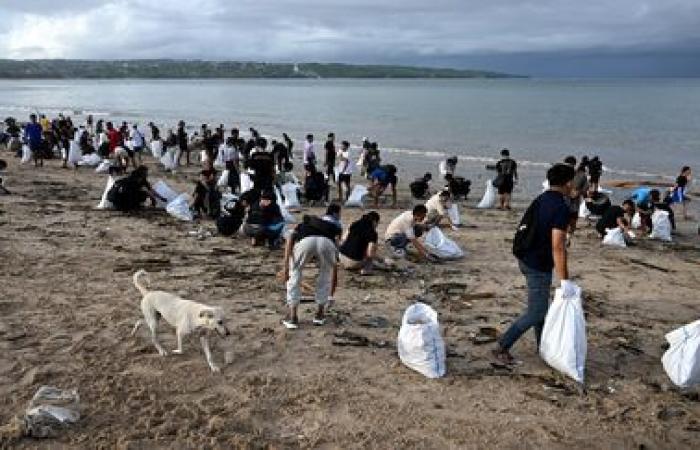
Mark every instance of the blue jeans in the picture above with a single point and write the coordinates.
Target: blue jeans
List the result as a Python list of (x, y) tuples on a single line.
[(538, 284), (398, 241)]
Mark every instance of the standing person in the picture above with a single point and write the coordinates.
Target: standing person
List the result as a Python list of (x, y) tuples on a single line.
[(290, 144), (279, 154), (507, 170), (330, 157), (373, 158), (89, 122), (309, 153), (344, 171), (33, 137), (595, 170), (182, 142), (155, 131), (138, 141), (406, 229), (314, 239), (114, 138), (540, 246), (678, 192)]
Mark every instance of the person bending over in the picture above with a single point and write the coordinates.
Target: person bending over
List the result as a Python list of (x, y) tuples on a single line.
[(406, 229), (129, 193), (439, 206), (359, 248), (383, 177), (616, 216), (207, 198)]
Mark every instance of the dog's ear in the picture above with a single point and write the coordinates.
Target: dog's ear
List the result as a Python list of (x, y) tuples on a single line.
[(206, 313)]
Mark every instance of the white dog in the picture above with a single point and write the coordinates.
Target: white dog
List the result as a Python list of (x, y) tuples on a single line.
[(186, 316)]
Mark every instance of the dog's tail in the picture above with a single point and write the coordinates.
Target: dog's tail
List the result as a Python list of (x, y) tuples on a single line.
[(138, 285)]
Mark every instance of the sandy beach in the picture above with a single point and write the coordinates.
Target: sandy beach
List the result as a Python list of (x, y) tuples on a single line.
[(68, 305)]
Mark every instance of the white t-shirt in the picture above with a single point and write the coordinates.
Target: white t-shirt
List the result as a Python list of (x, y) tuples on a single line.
[(344, 166), (403, 224), (434, 205), (136, 138), (309, 151)]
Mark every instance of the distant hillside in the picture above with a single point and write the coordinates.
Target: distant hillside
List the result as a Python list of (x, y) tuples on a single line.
[(166, 68)]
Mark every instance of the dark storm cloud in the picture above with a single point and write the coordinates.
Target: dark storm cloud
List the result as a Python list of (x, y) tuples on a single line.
[(351, 31)]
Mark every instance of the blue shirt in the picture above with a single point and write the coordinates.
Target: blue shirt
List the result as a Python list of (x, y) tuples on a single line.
[(552, 213), (32, 131), (641, 195)]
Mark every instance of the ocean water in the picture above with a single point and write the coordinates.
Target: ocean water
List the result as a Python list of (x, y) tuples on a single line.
[(639, 127)]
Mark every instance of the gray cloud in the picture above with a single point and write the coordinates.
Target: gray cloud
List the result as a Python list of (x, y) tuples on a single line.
[(343, 30)]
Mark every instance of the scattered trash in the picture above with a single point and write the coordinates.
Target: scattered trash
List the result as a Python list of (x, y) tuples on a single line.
[(50, 410)]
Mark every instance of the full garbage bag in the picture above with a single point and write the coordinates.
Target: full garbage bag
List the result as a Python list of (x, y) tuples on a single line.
[(439, 245), (615, 237), (420, 344), (682, 359), (660, 226), (489, 198), (356, 196), (179, 208)]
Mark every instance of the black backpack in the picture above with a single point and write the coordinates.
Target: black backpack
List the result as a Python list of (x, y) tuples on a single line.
[(418, 188), (315, 226), (527, 229)]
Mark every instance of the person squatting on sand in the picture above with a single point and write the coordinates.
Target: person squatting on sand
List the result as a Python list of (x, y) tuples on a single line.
[(313, 239), (359, 248), (406, 229), (540, 246)]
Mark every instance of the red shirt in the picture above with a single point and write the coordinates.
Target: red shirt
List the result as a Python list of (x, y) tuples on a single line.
[(115, 138)]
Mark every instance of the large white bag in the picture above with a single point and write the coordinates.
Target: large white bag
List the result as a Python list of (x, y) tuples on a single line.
[(439, 245), (74, 153), (104, 166), (104, 203), (660, 226), (583, 211), (291, 201), (489, 198), (682, 360), (615, 237), (288, 217), (180, 208), (420, 344), (636, 221), (355, 198), (168, 160), (223, 179), (91, 159), (246, 182), (563, 344), (26, 154), (157, 149), (219, 161), (161, 188)]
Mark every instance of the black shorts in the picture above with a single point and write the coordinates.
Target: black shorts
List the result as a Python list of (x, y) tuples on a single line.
[(594, 178), (506, 187), (138, 149), (344, 178)]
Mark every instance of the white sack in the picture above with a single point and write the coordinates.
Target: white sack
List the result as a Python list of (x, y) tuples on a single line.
[(437, 244), (74, 153), (91, 159), (104, 203), (104, 166), (203, 157), (419, 343), (180, 208), (355, 198), (157, 149), (682, 360), (453, 213), (636, 221), (223, 179), (161, 188), (660, 226), (168, 160), (583, 211), (291, 201), (614, 237), (489, 198), (220, 162), (26, 154), (288, 217), (563, 344), (246, 182)]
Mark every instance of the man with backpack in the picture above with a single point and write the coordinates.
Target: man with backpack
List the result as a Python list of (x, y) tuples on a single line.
[(507, 170), (540, 246)]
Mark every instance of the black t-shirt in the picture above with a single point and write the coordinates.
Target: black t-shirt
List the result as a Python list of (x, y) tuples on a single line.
[(552, 213), (506, 167), (682, 181), (609, 218), (360, 235), (279, 151), (263, 165), (330, 153)]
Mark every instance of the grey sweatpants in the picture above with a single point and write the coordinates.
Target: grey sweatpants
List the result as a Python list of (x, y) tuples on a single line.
[(324, 251)]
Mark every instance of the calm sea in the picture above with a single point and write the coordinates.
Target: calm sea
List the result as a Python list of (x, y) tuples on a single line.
[(637, 126)]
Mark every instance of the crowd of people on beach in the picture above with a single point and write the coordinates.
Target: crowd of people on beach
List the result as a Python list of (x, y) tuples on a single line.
[(247, 185)]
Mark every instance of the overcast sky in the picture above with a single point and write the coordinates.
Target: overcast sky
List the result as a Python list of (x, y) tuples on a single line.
[(537, 37)]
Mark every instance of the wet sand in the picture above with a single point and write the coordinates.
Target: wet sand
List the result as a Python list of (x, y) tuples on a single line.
[(68, 306)]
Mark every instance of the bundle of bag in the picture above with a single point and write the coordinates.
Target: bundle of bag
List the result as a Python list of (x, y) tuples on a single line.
[(356, 196), (682, 360)]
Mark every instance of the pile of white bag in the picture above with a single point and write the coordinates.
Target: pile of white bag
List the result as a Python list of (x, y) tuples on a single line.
[(355, 199), (489, 198), (682, 360), (419, 343), (291, 199), (563, 343), (26, 154), (179, 208), (660, 226), (615, 237), (440, 246), (91, 159)]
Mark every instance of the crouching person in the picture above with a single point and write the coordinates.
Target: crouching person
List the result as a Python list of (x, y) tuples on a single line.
[(440, 207), (406, 229), (131, 192), (313, 239), (207, 199), (359, 249), (265, 221)]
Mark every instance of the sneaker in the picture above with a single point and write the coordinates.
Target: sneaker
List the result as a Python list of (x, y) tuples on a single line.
[(318, 321), (290, 324)]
